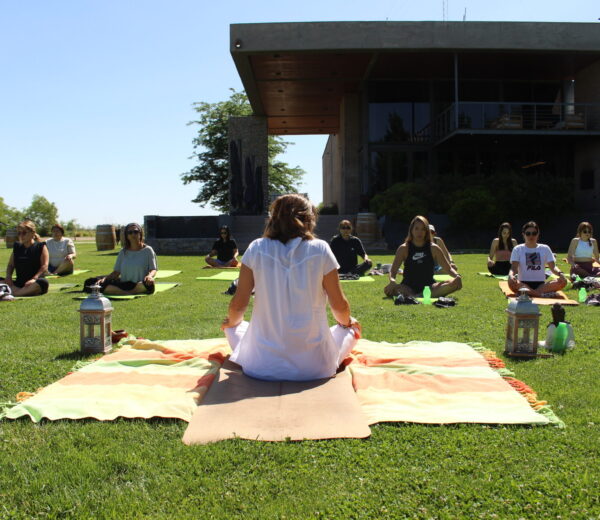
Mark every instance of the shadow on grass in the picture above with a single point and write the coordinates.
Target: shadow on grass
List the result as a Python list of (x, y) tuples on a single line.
[(76, 355)]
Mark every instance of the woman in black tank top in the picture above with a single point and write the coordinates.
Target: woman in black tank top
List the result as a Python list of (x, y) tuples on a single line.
[(419, 255)]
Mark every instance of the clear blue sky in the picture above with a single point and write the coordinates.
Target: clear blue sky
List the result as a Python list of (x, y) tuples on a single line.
[(95, 95)]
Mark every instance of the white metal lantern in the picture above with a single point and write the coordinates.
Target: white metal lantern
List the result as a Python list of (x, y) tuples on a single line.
[(95, 323), (522, 326)]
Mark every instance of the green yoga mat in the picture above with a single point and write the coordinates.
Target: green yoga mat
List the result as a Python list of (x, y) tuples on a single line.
[(433, 300), (442, 277), (164, 273), (362, 279), (159, 287), (74, 273), (497, 276), (228, 276)]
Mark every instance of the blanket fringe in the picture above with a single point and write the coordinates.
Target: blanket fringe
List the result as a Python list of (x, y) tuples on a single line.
[(526, 391)]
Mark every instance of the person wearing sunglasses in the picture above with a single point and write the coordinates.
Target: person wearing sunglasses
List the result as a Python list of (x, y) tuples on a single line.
[(583, 252), (346, 247), (135, 268), (528, 265), (224, 249), (29, 259)]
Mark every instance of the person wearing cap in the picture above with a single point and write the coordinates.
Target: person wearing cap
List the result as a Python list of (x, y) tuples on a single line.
[(438, 241), (346, 247)]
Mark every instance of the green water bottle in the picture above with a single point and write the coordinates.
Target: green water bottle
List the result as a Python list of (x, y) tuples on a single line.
[(427, 295), (582, 295), (560, 338)]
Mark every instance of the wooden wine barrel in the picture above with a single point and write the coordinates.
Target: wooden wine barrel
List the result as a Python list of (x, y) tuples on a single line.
[(366, 226), (11, 237), (105, 237)]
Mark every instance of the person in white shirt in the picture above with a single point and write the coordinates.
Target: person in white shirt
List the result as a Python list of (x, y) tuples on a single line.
[(61, 251), (294, 275), (528, 265), (583, 252)]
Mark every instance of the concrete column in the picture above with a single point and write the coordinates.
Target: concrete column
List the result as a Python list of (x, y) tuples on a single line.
[(248, 165), (350, 153)]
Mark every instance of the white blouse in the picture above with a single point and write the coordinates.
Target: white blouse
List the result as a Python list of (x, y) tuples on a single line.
[(288, 337)]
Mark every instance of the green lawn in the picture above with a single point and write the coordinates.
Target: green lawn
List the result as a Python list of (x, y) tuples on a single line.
[(136, 468)]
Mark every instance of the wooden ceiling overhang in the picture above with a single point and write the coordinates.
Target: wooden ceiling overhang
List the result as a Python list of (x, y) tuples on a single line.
[(296, 75)]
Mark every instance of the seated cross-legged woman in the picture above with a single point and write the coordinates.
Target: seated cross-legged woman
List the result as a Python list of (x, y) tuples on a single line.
[(29, 258), (583, 252), (529, 261), (294, 276), (346, 247), (135, 267), (419, 255), (499, 258), (225, 249), (61, 251)]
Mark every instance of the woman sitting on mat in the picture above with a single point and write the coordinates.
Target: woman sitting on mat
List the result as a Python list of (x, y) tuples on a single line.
[(419, 255), (499, 258), (529, 262), (294, 276), (135, 267), (61, 251), (29, 259), (225, 249), (583, 251)]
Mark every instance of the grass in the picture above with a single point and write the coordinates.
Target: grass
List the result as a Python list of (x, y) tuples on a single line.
[(136, 468)]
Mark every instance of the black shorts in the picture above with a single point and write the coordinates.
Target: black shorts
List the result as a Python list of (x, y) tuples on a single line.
[(124, 286), (42, 282), (533, 285)]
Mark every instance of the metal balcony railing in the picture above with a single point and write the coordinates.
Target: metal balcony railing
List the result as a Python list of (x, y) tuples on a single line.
[(506, 117)]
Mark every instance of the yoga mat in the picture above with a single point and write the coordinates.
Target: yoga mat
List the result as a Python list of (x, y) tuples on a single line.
[(497, 276), (221, 267), (238, 406), (158, 288), (74, 273), (562, 297), (143, 379), (163, 273), (362, 279), (442, 277), (441, 383), (228, 276)]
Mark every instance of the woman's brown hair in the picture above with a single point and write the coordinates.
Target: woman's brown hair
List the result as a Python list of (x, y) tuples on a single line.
[(133, 225), (585, 225), (423, 221), (529, 224), (291, 216), (29, 225), (59, 227), (509, 241)]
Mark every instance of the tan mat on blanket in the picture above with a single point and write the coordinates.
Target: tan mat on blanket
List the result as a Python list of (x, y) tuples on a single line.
[(562, 297), (239, 406)]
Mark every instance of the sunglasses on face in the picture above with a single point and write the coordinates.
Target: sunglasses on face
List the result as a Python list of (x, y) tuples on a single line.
[(345, 227), (23, 232), (530, 233), (133, 231), (223, 232), (586, 230)]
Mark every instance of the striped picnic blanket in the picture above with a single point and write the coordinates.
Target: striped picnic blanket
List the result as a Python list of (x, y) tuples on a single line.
[(441, 383), (143, 379), (420, 382)]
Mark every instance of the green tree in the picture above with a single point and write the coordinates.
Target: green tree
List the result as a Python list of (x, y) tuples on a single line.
[(211, 149), (9, 217), (43, 212)]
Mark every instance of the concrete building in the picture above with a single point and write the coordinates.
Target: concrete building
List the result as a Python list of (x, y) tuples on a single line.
[(403, 100)]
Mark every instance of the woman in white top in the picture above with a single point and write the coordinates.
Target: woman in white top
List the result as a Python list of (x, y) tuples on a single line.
[(293, 275), (583, 251), (61, 251), (528, 262)]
